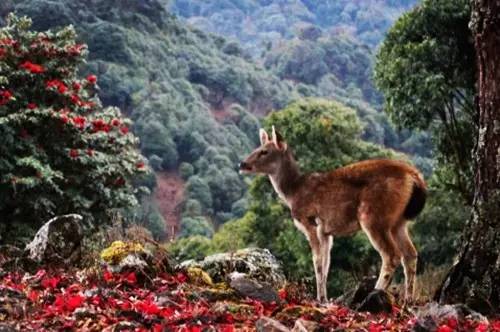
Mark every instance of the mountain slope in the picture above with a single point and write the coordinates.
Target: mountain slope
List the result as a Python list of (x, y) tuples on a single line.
[(169, 78)]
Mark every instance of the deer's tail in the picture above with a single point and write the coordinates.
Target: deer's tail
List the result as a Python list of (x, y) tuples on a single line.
[(418, 197)]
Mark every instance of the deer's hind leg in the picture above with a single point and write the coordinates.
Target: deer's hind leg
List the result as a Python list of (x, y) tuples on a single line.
[(410, 256), (382, 240)]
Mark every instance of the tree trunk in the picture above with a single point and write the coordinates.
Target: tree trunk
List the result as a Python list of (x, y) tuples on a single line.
[(475, 279)]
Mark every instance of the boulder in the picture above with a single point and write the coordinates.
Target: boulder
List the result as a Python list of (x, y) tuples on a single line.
[(247, 287), (58, 241), (432, 315), (258, 264), (266, 324)]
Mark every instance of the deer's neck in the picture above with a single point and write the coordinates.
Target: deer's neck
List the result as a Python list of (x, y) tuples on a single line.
[(286, 179)]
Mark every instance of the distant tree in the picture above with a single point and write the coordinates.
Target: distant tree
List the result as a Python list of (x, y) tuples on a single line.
[(475, 278), (425, 67), (62, 151)]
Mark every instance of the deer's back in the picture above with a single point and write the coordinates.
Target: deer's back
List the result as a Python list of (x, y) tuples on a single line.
[(379, 187)]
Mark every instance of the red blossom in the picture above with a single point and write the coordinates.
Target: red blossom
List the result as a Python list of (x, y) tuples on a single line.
[(115, 122), (90, 152), (5, 97), (124, 130), (100, 125), (140, 165), (73, 153), (444, 328), (75, 49), (32, 67), (50, 282), (76, 86), (79, 121), (131, 278), (57, 84), (32, 106), (64, 118), (92, 79), (76, 100)]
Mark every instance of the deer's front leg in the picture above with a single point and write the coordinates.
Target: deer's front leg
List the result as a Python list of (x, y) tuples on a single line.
[(311, 233)]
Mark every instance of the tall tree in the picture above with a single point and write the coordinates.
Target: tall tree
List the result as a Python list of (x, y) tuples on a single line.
[(475, 279), (425, 68)]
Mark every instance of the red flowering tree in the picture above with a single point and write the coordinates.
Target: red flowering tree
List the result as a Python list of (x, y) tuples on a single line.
[(61, 150)]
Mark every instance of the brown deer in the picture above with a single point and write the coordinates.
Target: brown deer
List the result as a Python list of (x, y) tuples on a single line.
[(377, 196)]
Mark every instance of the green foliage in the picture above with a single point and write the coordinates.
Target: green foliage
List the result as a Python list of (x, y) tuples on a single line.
[(256, 23), (62, 151), (426, 69), (195, 226), (194, 247)]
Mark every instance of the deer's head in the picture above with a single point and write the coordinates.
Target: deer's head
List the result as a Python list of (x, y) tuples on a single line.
[(268, 158)]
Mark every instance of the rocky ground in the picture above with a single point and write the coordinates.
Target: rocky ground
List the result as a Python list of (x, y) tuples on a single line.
[(135, 289)]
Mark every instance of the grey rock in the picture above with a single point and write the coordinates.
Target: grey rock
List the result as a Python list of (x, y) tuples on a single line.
[(247, 287), (58, 241), (266, 324), (258, 264), (430, 316)]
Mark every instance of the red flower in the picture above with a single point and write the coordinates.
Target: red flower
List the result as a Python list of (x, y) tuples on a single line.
[(444, 328), (92, 79), (119, 182), (107, 276), (32, 106), (79, 121), (76, 100), (74, 301), (50, 282), (5, 97), (64, 118), (90, 152), (73, 153), (60, 86), (124, 130), (77, 86), (131, 278), (32, 67), (115, 122), (100, 125), (75, 49), (140, 164)]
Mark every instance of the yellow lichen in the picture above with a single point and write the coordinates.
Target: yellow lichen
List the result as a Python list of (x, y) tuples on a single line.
[(199, 277), (118, 250)]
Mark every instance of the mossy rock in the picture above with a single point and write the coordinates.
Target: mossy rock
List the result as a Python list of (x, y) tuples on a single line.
[(256, 263), (118, 250)]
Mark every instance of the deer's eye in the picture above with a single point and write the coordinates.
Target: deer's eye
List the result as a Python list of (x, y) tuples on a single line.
[(263, 152)]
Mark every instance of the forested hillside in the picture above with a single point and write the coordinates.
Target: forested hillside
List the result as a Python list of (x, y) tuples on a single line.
[(259, 22), (192, 96)]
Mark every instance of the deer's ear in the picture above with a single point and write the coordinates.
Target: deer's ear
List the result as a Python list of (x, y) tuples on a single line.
[(278, 140), (264, 137)]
